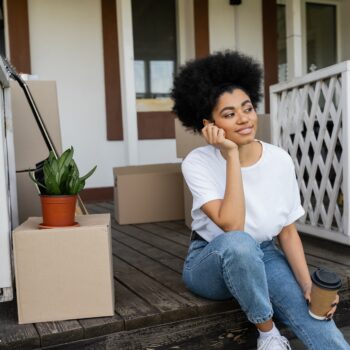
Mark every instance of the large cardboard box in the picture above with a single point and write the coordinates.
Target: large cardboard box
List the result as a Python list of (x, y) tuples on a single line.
[(30, 147), (64, 273), (148, 193), (186, 141)]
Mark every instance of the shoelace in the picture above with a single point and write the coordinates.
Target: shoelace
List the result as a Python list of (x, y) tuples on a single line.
[(282, 341)]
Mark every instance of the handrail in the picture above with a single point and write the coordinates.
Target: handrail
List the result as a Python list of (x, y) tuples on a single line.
[(323, 73)]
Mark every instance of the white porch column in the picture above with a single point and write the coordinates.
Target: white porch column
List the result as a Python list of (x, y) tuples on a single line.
[(346, 148), (185, 30), (127, 80), (294, 42)]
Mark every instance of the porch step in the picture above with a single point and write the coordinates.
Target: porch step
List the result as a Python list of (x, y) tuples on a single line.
[(153, 308)]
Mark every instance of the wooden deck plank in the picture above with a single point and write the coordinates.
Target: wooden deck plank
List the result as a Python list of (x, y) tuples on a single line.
[(327, 250), (165, 233), (179, 228), (170, 279), (92, 206), (155, 253), (158, 272), (52, 333), (171, 305), (166, 334), (136, 312), (154, 228), (172, 248), (107, 205), (12, 334), (98, 326)]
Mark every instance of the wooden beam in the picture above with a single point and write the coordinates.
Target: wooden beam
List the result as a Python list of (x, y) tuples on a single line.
[(155, 125), (18, 27), (201, 28), (111, 70), (99, 194)]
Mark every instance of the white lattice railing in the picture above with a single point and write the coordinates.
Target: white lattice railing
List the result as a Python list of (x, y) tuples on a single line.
[(310, 118)]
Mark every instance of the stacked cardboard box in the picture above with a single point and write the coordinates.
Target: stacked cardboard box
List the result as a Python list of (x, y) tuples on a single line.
[(148, 193)]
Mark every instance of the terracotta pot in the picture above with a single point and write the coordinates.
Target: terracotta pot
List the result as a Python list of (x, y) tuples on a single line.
[(58, 211)]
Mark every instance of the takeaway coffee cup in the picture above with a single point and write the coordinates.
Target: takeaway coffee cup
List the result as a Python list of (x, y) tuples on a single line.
[(325, 285)]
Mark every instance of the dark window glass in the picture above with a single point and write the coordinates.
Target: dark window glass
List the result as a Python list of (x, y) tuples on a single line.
[(2, 30), (154, 31), (281, 43), (321, 36)]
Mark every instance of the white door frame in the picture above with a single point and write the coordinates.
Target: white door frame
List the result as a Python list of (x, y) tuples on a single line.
[(8, 191)]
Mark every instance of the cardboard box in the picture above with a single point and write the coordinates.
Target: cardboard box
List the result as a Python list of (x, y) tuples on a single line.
[(30, 147), (186, 141), (148, 193), (64, 273)]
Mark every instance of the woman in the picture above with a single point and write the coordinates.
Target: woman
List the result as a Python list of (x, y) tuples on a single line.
[(245, 195)]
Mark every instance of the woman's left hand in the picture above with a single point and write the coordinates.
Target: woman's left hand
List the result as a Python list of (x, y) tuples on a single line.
[(307, 295)]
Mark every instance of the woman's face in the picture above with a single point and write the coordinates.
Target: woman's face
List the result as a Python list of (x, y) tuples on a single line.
[(235, 113)]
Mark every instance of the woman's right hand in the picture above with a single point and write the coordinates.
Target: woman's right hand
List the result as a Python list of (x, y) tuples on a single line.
[(216, 137)]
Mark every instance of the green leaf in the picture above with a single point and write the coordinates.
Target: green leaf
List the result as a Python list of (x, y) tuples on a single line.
[(36, 181), (83, 178), (50, 177), (64, 162), (61, 175)]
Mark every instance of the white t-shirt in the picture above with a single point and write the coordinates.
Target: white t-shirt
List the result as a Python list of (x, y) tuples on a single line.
[(271, 191)]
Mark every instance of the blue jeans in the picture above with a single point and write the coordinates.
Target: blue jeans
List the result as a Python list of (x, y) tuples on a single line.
[(259, 277)]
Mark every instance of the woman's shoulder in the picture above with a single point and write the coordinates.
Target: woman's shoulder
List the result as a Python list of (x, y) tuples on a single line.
[(201, 155), (278, 158), (277, 154)]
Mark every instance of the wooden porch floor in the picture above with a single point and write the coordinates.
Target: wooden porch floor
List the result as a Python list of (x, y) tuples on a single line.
[(153, 308)]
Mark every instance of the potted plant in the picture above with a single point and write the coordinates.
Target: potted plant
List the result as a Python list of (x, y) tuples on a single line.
[(59, 183)]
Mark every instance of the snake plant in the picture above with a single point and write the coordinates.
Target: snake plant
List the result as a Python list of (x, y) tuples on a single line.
[(61, 175)]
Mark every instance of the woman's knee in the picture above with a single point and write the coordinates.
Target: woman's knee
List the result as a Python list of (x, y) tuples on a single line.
[(238, 244)]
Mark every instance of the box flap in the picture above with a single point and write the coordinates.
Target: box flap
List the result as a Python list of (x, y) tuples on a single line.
[(91, 220)]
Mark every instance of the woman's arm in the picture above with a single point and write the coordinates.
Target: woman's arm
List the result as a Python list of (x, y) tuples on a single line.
[(228, 213), (293, 249)]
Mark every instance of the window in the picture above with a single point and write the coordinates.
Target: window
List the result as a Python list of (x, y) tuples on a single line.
[(2, 32), (320, 31), (281, 43), (154, 31), (321, 35)]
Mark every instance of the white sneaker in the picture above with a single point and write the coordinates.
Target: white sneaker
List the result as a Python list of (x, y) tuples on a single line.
[(274, 342)]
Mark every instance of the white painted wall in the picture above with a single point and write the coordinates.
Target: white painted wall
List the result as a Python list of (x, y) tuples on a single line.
[(66, 46), (237, 27), (222, 25)]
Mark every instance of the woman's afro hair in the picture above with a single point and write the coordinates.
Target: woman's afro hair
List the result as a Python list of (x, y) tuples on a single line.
[(200, 82)]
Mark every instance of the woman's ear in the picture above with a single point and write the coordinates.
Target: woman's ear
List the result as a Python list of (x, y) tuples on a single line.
[(206, 122)]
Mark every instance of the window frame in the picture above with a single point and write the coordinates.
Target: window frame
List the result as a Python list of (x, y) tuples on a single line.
[(337, 5)]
